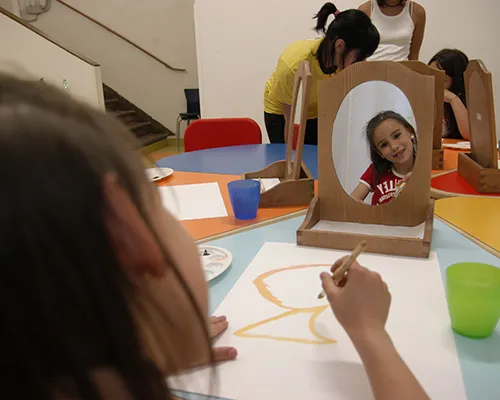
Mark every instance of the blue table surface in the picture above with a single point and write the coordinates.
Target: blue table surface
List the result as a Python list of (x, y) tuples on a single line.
[(237, 160), (479, 359)]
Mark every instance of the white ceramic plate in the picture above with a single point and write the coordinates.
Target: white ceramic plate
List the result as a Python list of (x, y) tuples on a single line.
[(215, 260), (157, 174)]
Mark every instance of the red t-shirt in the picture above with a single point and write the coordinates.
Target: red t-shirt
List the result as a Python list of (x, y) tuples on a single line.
[(384, 189)]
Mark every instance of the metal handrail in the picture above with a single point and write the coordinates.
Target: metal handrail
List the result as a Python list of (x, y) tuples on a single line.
[(121, 37)]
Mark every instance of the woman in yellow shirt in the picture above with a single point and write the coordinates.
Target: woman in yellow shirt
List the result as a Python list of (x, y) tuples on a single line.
[(350, 38)]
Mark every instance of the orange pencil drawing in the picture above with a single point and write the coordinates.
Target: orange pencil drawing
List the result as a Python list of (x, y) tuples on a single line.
[(314, 312)]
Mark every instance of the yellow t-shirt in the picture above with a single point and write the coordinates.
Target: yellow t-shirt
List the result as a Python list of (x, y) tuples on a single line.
[(279, 88)]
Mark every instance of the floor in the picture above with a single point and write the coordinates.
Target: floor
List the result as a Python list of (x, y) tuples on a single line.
[(162, 149)]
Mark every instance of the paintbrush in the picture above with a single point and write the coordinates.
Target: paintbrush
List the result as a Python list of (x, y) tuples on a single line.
[(399, 189), (340, 272)]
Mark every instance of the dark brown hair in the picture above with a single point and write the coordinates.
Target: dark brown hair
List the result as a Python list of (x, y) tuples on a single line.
[(352, 26), (454, 63), (63, 294)]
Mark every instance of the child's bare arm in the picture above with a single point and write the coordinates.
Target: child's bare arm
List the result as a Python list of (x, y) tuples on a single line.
[(362, 307), (390, 377), (360, 192), (460, 112)]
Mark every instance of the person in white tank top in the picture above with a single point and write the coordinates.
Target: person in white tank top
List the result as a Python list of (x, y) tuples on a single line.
[(401, 24)]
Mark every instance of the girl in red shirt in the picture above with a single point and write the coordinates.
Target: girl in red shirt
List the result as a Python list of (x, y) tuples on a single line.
[(393, 145)]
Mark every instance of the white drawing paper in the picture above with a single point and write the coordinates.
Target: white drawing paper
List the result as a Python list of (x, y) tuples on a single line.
[(198, 201), (301, 352), (268, 183)]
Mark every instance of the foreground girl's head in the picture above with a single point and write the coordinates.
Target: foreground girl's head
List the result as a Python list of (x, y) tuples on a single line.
[(392, 141), (100, 289)]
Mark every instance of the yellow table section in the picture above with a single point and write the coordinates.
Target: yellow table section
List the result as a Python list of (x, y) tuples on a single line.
[(476, 217)]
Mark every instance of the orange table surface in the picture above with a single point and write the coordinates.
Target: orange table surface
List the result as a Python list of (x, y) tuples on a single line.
[(205, 228), (450, 157), (478, 217)]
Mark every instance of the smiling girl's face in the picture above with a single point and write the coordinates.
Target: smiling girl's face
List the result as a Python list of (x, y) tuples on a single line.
[(393, 142)]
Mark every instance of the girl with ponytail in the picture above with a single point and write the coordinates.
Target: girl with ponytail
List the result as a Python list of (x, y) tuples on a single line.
[(350, 37)]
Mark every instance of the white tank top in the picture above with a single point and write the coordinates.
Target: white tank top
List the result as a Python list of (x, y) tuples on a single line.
[(396, 33)]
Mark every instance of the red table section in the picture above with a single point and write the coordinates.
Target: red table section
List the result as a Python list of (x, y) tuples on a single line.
[(453, 183)]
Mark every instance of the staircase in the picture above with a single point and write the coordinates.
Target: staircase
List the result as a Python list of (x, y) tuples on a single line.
[(145, 128)]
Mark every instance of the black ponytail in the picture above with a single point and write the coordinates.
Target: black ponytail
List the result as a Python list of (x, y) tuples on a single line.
[(354, 27), (322, 16)]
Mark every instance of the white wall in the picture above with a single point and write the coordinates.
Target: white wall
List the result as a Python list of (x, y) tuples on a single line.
[(237, 54), (165, 28), (35, 57), (7, 4)]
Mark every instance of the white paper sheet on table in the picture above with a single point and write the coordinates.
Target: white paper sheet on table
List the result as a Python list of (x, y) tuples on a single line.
[(197, 201), (268, 183), (459, 145), (278, 369)]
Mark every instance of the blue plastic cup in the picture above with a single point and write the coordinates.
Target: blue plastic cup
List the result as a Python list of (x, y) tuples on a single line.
[(245, 198)]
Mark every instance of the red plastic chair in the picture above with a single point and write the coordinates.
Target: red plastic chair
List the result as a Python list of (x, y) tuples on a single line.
[(221, 132)]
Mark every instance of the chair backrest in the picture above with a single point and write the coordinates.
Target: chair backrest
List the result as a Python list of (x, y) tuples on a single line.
[(192, 101), (221, 132)]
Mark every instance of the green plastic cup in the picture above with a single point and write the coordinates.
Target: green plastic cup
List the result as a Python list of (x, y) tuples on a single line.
[(473, 292)]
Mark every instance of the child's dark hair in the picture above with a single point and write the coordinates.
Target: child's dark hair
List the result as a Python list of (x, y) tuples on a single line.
[(352, 26), (454, 63), (380, 164)]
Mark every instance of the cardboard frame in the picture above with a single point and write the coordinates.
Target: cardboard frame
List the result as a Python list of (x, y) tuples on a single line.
[(297, 183), (412, 207), (480, 167), (439, 78)]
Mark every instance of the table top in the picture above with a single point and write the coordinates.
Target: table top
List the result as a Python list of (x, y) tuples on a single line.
[(452, 183), (448, 182), (479, 217), (450, 161), (201, 229), (237, 160), (479, 359)]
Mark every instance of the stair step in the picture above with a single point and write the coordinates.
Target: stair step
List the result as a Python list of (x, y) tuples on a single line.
[(124, 116), (111, 104), (140, 128), (107, 91), (133, 126), (137, 121), (122, 113), (151, 138)]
